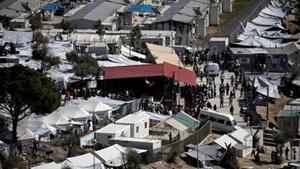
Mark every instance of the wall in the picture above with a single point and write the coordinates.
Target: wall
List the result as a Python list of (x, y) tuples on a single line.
[(292, 125), (139, 145), (227, 6), (214, 15), (142, 131), (102, 138), (167, 151)]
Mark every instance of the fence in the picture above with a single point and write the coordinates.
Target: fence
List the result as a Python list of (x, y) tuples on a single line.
[(168, 151)]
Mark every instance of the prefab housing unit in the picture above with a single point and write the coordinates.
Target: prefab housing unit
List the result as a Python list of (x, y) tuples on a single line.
[(111, 131), (140, 143), (218, 44), (139, 124)]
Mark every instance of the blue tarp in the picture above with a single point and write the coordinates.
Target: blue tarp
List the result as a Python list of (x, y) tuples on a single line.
[(51, 6), (141, 8)]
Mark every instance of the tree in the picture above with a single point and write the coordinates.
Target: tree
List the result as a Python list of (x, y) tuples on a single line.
[(67, 27), (72, 57), (40, 51), (229, 159), (24, 91), (35, 22), (99, 29), (134, 35), (87, 66), (132, 159)]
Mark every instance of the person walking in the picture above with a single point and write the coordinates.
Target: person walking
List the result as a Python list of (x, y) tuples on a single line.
[(230, 99), (294, 150), (227, 89), (232, 81), (231, 109), (222, 77)]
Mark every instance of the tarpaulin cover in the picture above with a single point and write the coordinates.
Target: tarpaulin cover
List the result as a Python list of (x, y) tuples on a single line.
[(141, 8)]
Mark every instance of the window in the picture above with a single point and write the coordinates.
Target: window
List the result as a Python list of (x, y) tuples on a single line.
[(137, 129), (212, 119), (146, 125), (221, 121), (228, 123)]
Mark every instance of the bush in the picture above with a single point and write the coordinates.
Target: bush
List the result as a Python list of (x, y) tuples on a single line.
[(132, 159)]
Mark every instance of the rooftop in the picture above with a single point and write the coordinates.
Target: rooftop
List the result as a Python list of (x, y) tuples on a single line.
[(249, 51), (183, 11), (112, 128), (97, 10), (132, 118), (143, 140)]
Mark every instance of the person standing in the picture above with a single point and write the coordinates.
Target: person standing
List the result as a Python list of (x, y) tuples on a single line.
[(294, 149), (215, 107), (222, 77), (287, 153), (221, 101)]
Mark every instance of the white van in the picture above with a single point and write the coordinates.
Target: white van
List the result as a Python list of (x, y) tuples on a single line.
[(222, 122), (212, 69)]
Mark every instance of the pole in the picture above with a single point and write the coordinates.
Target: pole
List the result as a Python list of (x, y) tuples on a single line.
[(197, 157), (267, 106)]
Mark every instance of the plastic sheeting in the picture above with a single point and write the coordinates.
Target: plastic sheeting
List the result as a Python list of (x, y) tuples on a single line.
[(115, 104), (91, 106), (263, 85)]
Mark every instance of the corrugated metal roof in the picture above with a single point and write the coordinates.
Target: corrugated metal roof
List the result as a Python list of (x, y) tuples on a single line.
[(99, 9), (183, 11), (176, 124), (186, 120)]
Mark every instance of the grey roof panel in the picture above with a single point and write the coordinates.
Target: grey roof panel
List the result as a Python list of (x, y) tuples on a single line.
[(183, 10), (100, 9)]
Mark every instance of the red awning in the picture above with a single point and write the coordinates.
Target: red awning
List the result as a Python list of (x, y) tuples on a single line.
[(151, 70)]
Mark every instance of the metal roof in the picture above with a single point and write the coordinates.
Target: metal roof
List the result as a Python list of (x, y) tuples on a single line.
[(113, 128), (182, 11), (187, 120), (98, 10), (133, 118), (176, 124), (251, 51)]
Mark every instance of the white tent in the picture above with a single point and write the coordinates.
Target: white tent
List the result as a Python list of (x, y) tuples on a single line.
[(85, 161), (115, 104), (96, 107), (113, 155), (51, 165), (72, 112)]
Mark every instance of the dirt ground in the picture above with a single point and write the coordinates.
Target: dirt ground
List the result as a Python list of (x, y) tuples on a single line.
[(264, 164), (274, 108)]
